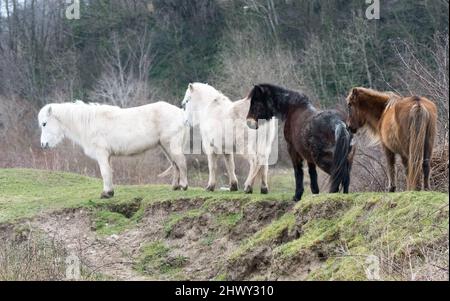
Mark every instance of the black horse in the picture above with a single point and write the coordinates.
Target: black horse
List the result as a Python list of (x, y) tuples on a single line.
[(319, 137)]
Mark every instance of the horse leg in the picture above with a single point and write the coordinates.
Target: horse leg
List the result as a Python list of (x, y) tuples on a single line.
[(264, 179), (299, 188), (176, 168), (297, 163), (181, 166), (405, 165), (107, 175), (231, 170), (212, 165), (251, 176), (390, 156), (313, 176)]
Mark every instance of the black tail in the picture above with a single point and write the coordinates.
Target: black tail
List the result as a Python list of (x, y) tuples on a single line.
[(340, 173)]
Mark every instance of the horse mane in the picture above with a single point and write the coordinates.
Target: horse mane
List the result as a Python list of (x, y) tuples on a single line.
[(280, 99), (387, 97), (80, 113), (284, 96), (214, 93)]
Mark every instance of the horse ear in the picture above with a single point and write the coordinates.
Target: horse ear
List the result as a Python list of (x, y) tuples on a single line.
[(355, 92), (50, 111), (259, 88), (191, 87)]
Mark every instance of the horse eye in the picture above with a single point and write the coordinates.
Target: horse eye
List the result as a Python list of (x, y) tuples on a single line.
[(44, 124)]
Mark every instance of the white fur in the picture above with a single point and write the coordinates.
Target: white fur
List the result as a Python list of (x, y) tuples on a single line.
[(104, 131), (209, 109)]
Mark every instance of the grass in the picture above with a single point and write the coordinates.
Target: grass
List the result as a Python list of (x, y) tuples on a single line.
[(349, 228), (109, 223), (25, 193), (155, 259), (345, 228), (266, 235)]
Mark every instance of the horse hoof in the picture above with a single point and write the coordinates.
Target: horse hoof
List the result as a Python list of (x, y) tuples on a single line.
[(176, 188), (248, 190), (296, 200), (184, 188), (210, 188), (234, 187), (264, 190), (392, 189), (107, 195)]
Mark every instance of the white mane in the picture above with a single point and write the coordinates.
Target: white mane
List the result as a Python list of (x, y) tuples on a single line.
[(81, 113), (209, 93)]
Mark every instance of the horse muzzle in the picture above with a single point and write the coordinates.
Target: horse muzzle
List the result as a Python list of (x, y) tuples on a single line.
[(45, 145), (353, 130), (252, 124)]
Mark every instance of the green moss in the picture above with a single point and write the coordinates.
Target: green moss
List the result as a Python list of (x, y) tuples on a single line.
[(229, 220), (266, 235), (349, 228), (349, 268), (221, 277), (109, 223), (176, 218), (317, 232), (155, 259)]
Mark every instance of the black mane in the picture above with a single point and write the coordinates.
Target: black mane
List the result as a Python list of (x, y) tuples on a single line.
[(279, 100)]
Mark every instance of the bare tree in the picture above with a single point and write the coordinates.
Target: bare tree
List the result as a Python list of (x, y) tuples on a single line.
[(126, 67)]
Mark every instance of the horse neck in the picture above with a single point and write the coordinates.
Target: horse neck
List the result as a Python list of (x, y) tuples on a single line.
[(203, 107), (283, 108), (373, 106), (72, 128)]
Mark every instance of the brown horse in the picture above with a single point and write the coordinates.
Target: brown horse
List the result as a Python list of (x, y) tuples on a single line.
[(405, 126), (319, 137)]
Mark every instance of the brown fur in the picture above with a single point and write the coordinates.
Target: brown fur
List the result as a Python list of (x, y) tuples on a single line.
[(405, 126)]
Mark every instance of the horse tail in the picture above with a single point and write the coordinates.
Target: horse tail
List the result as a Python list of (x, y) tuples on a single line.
[(340, 173), (419, 126)]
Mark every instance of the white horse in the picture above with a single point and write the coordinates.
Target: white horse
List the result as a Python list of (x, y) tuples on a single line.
[(213, 112), (104, 131)]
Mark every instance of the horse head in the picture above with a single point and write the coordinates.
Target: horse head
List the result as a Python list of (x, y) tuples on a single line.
[(356, 118), (51, 131), (259, 99)]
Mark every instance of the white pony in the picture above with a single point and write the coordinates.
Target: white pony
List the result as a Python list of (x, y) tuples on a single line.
[(213, 112), (104, 131)]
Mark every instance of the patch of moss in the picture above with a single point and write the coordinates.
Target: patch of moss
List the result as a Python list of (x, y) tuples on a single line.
[(317, 232), (221, 277), (176, 218), (229, 220), (349, 228), (109, 223), (266, 236), (155, 259)]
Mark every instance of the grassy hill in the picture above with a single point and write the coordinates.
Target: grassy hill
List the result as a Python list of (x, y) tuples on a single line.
[(153, 233)]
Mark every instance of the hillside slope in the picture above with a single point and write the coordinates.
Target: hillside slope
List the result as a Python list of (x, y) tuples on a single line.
[(152, 233)]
